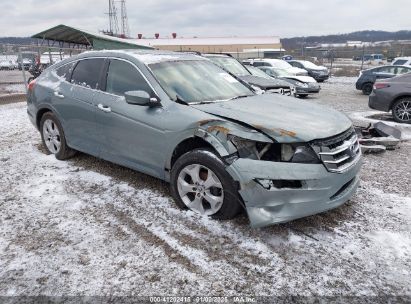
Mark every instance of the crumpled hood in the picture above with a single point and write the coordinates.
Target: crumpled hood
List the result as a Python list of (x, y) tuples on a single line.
[(283, 118), (264, 83)]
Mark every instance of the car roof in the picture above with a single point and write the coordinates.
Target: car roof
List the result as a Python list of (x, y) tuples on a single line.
[(146, 56), (388, 65), (216, 55)]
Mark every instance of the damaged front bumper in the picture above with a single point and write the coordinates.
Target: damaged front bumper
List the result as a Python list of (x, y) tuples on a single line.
[(277, 192)]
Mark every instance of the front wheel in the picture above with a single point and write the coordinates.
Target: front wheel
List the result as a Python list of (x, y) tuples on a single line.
[(52, 135), (199, 182), (401, 110)]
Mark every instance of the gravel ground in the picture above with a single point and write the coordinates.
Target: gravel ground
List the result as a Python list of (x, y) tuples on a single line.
[(88, 227)]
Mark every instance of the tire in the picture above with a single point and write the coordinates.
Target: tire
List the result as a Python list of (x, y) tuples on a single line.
[(367, 88), (30, 79), (302, 95), (224, 189), (52, 136), (401, 110)]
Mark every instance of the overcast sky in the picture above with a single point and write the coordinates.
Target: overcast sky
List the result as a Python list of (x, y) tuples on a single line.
[(284, 18)]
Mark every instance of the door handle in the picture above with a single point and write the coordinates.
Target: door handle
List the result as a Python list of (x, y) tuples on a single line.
[(104, 108), (57, 94)]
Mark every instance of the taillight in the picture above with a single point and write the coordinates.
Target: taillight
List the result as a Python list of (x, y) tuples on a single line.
[(380, 85), (31, 85)]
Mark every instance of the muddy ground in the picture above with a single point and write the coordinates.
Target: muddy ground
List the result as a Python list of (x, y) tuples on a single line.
[(88, 227)]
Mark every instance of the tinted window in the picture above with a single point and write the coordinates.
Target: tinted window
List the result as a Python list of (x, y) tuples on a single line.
[(87, 72), (402, 70), (261, 64), (399, 62), (123, 77), (388, 69), (65, 70)]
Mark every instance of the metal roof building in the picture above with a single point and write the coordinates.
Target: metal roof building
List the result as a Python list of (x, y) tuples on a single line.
[(67, 36), (242, 47)]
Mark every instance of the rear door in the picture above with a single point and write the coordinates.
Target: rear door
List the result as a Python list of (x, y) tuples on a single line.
[(79, 109), (128, 132)]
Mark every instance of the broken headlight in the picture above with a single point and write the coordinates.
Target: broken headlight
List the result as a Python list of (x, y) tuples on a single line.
[(299, 153), (295, 153), (246, 148)]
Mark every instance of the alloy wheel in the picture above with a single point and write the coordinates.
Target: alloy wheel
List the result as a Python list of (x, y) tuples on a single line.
[(402, 110), (200, 189), (51, 135)]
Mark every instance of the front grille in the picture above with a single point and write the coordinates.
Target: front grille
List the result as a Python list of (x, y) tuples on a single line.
[(340, 152)]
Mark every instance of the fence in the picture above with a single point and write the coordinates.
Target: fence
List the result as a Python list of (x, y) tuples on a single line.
[(18, 64), (349, 61)]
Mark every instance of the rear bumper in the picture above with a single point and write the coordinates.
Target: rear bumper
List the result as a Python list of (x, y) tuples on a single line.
[(320, 189), (378, 101)]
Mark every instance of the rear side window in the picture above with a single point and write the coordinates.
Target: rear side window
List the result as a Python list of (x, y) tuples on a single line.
[(123, 77), (87, 73), (399, 62), (260, 63), (65, 71)]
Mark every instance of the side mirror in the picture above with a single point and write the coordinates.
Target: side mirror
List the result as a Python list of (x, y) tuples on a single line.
[(141, 98)]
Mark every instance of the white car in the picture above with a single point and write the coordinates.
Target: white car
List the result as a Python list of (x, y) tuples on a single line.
[(7, 65), (278, 64), (401, 61)]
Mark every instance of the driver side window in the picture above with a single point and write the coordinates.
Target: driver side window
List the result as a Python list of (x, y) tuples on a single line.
[(123, 76)]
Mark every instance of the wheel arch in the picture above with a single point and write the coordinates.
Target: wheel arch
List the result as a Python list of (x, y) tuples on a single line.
[(187, 145), (398, 98), (40, 114)]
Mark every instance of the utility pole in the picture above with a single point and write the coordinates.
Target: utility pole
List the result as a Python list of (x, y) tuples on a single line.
[(113, 22), (125, 30)]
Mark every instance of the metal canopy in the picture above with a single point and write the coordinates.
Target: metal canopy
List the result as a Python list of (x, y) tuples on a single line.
[(71, 35)]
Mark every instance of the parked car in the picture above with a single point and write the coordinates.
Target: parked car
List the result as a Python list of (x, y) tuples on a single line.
[(183, 119), (319, 73), (304, 85), (234, 67), (278, 64), (402, 61), (393, 94), (26, 59), (367, 78), (7, 65)]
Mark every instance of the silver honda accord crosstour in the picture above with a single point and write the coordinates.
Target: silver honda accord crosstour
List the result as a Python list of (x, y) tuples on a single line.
[(181, 118)]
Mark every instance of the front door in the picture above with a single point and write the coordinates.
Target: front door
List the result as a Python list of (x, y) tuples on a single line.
[(129, 132)]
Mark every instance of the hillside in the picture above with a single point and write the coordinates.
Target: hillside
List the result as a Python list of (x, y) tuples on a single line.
[(365, 36)]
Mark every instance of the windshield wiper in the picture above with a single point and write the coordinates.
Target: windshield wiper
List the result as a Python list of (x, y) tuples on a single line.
[(180, 100), (240, 96)]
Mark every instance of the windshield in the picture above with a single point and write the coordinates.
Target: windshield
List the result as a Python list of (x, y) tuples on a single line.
[(309, 64), (257, 72), (281, 64), (230, 64), (282, 73), (197, 81)]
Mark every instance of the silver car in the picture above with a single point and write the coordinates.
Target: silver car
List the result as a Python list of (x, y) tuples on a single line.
[(182, 119)]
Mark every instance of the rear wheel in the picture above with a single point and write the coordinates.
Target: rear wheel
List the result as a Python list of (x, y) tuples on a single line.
[(52, 135), (367, 88), (302, 95), (401, 110), (199, 182)]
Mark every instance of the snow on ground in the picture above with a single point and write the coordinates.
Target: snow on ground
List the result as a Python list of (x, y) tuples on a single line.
[(88, 227)]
